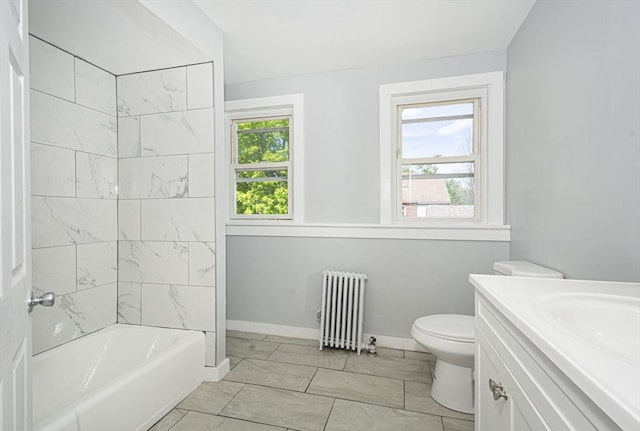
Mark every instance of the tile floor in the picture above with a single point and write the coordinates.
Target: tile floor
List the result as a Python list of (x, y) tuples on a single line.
[(279, 383)]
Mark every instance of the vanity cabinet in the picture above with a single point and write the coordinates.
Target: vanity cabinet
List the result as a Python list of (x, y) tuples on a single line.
[(518, 388)]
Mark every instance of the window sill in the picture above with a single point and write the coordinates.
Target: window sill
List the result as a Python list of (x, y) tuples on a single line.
[(449, 232)]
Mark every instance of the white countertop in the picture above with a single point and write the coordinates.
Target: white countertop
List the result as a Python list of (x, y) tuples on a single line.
[(611, 381)]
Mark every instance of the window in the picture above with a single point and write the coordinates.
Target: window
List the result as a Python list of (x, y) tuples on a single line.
[(265, 144), (441, 151), (437, 160)]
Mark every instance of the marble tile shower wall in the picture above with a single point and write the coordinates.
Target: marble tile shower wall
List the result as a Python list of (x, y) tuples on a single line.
[(74, 194), (166, 241)]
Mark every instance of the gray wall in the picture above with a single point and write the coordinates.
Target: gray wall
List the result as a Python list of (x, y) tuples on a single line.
[(341, 129), (573, 139), (277, 280)]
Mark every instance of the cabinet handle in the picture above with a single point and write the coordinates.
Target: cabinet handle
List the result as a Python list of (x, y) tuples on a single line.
[(498, 390)]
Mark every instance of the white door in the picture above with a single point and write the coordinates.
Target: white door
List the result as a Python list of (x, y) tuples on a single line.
[(15, 254)]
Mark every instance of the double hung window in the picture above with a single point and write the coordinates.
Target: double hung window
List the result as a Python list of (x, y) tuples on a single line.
[(441, 151), (265, 137), (261, 166)]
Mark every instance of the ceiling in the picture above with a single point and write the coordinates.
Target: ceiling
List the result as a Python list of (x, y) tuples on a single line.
[(118, 36), (273, 38)]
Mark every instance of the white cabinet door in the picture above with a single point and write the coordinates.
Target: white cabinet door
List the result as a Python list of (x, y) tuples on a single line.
[(491, 415), (15, 272), (512, 412)]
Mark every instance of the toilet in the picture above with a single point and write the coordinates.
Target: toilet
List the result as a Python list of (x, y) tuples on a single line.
[(450, 338)]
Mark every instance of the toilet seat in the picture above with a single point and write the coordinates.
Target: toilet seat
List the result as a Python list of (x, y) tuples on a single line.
[(453, 327)]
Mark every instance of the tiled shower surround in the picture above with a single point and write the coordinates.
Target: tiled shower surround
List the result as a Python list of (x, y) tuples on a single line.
[(74, 203), (166, 242), (123, 203)]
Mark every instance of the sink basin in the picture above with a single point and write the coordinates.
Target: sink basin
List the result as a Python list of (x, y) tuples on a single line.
[(608, 322)]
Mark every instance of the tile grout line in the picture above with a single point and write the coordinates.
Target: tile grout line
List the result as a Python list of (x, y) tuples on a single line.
[(326, 422), (244, 385), (311, 380), (178, 421)]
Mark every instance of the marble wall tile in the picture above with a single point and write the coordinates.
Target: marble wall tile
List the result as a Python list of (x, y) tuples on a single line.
[(128, 137), (97, 264), (61, 221), (178, 219), (95, 88), (177, 133), (129, 303), (54, 269), (176, 306), (74, 315), (202, 264), (129, 219), (51, 69), (153, 262), (64, 124), (201, 175), (150, 92), (96, 176), (52, 171), (210, 352), (200, 86), (153, 177)]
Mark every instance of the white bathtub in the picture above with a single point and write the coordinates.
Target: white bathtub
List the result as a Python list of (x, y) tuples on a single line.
[(122, 378)]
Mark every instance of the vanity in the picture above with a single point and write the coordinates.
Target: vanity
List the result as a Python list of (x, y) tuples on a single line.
[(556, 354)]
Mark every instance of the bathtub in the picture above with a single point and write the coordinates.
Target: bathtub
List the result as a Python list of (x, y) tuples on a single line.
[(122, 378)]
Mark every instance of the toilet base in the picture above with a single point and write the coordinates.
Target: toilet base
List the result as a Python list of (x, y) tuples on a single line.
[(453, 386)]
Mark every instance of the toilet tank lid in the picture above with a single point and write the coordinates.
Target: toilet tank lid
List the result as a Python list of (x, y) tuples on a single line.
[(521, 268)]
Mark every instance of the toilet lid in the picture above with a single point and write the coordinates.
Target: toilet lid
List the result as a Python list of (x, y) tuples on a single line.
[(455, 327)]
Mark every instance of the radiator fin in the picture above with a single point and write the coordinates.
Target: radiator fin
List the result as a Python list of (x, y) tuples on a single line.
[(341, 315)]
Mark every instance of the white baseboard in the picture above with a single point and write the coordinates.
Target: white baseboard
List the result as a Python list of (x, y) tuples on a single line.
[(215, 374), (314, 334), (272, 329)]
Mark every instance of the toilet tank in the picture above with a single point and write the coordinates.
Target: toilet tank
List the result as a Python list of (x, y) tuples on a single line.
[(521, 268)]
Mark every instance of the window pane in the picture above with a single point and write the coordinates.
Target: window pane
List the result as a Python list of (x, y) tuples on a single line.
[(437, 130), (438, 138), (262, 192), (437, 111), (263, 141), (438, 191)]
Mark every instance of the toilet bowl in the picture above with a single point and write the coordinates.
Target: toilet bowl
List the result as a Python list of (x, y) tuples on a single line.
[(450, 338)]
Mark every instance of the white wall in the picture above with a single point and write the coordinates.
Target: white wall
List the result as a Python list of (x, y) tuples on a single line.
[(573, 139), (277, 279)]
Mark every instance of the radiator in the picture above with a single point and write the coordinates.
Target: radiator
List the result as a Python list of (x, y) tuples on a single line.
[(342, 310)]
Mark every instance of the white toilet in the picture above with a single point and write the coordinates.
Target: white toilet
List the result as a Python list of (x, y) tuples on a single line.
[(450, 337)]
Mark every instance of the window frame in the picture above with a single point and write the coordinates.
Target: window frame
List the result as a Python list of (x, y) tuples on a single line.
[(489, 171), (266, 108)]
